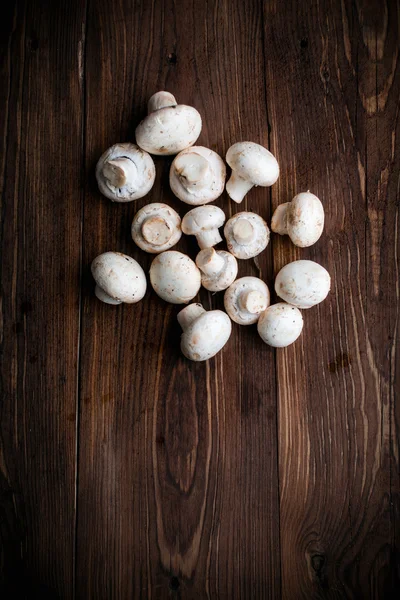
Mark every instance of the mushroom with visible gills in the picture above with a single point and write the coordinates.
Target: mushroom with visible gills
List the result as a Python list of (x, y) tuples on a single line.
[(125, 173), (303, 283), (246, 299), (203, 222), (156, 228), (197, 175), (247, 234), (219, 269), (175, 277), (169, 127), (251, 165), (119, 278), (204, 333), (280, 325), (302, 219)]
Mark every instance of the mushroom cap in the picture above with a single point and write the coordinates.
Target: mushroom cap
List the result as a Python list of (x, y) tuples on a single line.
[(223, 279), (146, 173), (169, 130), (304, 219), (204, 194), (253, 163), (206, 336), (119, 276), (175, 277), (258, 296), (280, 325), (202, 218), (246, 224), (303, 283), (156, 228)]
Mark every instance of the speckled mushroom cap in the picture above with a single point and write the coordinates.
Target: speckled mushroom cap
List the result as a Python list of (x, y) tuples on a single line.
[(203, 222), (251, 165), (169, 127), (302, 219), (246, 299), (197, 175), (156, 227), (204, 333), (125, 173), (119, 278), (175, 277), (280, 325), (247, 234), (303, 283), (219, 269)]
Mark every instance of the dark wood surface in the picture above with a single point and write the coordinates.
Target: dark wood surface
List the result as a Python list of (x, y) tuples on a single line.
[(125, 470)]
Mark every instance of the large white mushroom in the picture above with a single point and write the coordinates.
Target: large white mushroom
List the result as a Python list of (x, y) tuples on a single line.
[(247, 234), (219, 269), (251, 165), (203, 222), (197, 175), (119, 278), (302, 219), (204, 333), (125, 173), (156, 228), (169, 127), (246, 299), (280, 325), (303, 283), (175, 277)]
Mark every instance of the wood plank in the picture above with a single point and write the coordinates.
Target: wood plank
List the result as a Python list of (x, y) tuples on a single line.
[(178, 490), (41, 169), (334, 118)]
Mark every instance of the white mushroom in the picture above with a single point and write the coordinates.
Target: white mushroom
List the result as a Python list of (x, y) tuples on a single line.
[(246, 299), (204, 333), (303, 283), (280, 325), (203, 222), (197, 175), (175, 277), (246, 234), (251, 165), (302, 219), (156, 228), (125, 173), (169, 127), (219, 269), (119, 278)]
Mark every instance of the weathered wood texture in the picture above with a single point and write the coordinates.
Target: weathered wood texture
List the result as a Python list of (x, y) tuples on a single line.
[(125, 470)]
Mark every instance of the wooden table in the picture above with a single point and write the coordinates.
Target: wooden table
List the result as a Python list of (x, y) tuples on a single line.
[(127, 471)]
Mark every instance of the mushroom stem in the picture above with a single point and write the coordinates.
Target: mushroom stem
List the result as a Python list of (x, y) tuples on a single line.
[(207, 239), (253, 301), (210, 262), (243, 231), (101, 295), (237, 187), (189, 314), (193, 171), (160, 100), (157, 231), (279, 219), (119, 172)]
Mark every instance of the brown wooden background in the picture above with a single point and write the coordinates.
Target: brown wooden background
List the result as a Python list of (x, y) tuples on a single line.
[(126, 471)]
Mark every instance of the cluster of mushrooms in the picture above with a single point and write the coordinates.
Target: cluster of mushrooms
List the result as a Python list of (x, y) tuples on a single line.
[(126, 172)]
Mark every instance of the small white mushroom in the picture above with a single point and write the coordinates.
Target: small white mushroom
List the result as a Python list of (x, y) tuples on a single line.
[(203, 222), (219, 269), (156, 228), (125, 173), (169, 127), (302, 219), (119, 278), (246, 299), (197, 175), (251, 165), (175, 277), (280, 325), (204, 333), (303, 283), (247, 234)]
